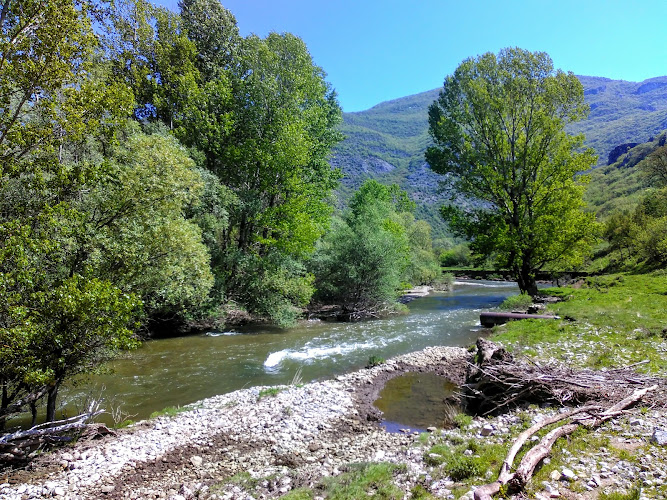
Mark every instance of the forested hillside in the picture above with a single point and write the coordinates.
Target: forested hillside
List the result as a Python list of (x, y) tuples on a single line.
[(388, 141)]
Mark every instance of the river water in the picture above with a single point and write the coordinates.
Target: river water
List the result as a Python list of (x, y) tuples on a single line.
[(182, 370)]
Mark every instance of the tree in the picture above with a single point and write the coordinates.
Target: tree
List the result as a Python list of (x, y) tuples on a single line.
[(372, 251), (654, 167), (49, 99), (498, 126)]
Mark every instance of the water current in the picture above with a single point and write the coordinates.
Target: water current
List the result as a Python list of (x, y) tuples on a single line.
[(182, 370)]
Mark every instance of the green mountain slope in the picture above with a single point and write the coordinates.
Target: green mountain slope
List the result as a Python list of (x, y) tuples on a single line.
[(387, 141), (621, 185)]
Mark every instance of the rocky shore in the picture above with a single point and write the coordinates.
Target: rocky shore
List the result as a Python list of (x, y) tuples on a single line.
[(264, 442)]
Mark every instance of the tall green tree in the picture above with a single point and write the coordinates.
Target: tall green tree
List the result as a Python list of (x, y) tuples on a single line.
[(49, 100), (498, 127)]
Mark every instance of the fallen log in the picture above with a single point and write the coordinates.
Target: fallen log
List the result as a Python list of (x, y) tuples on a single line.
[(518, 480), (491, 319), (18, 446), (497, 382)]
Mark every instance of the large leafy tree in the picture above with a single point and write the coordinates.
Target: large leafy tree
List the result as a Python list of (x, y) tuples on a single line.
[(49, 100), (498, 127)]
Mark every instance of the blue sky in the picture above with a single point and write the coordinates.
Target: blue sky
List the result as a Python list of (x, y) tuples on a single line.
[(375, 51)]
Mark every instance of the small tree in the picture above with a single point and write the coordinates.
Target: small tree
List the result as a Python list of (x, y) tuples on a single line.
[(498, 126), (654, 167)]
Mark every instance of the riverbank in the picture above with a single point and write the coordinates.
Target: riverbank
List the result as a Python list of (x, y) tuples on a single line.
[(323, 440), (303, 440)]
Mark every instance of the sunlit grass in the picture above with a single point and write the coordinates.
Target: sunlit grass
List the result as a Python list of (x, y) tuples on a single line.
[(610, 321)]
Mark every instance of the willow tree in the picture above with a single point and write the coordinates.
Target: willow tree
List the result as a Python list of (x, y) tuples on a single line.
[(499, 128)]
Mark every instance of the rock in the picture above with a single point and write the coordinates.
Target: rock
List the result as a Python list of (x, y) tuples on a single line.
[(635, 422), (196, 460), (659, 436), (487, 430), (431, 429), (314, 446), (568, 474), (555, 475), (551, 491), (59, 491)]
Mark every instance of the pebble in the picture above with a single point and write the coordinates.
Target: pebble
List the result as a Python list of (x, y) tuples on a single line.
[(307, 435), (487, 430)]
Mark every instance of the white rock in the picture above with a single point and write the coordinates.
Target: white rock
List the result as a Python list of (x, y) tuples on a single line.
[(196, 460), (568, 474)]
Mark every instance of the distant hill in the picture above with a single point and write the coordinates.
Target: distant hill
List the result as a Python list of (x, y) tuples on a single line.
[(621, 186), (387, 141)]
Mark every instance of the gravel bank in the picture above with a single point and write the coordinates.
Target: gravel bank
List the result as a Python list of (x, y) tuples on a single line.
[(251, 444)]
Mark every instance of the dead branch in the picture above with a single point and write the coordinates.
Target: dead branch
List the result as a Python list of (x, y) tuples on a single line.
[(487, 382), (17, 446)]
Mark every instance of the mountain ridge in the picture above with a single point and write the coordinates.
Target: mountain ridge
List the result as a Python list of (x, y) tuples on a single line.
[(387, 141)]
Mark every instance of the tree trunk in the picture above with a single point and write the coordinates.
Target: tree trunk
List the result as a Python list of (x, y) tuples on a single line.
[(51, 402), (526, 278)]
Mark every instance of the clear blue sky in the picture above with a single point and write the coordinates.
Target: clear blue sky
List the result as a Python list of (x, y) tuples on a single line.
[(374, 50)]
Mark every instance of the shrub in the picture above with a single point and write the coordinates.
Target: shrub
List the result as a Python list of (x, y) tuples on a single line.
[(517, 303)]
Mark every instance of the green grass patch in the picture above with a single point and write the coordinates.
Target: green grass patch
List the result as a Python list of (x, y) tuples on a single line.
[(519, 302), (610, 321), (633, 494), (298, 494), (469, 460), (375, 361), (269, 392), (169, 411), (365, 480)]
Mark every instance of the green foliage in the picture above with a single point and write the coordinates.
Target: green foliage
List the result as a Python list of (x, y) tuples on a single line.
[(462, 421), (135, 221), (375, 361), (498, 126), (519, 302), (372, 250), (269, 392), (457, 256), (654, 167), (364, 480)]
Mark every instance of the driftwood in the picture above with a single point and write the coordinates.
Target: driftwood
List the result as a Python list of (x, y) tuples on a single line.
[(496, 382), (518, 479), (17, 447)]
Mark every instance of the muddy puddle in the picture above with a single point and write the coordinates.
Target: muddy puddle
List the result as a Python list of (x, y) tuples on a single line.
[(415, 401)]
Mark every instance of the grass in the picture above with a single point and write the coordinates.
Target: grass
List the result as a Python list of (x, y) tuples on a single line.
[(613, 320), (169, 411), (471, 460), (375, 361), (269, 392), (516, 303), (633, 494), (365, 480)]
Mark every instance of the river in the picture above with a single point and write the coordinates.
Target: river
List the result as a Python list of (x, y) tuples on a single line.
[(182, 370)]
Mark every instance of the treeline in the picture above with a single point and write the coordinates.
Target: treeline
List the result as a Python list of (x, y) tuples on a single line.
[(158, 169), (639, 236)]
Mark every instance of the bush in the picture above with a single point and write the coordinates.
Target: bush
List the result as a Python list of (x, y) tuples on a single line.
[(458, 256), (517, 303)]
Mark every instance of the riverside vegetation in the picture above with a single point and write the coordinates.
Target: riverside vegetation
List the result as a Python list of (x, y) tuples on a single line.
[(163, 170)]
